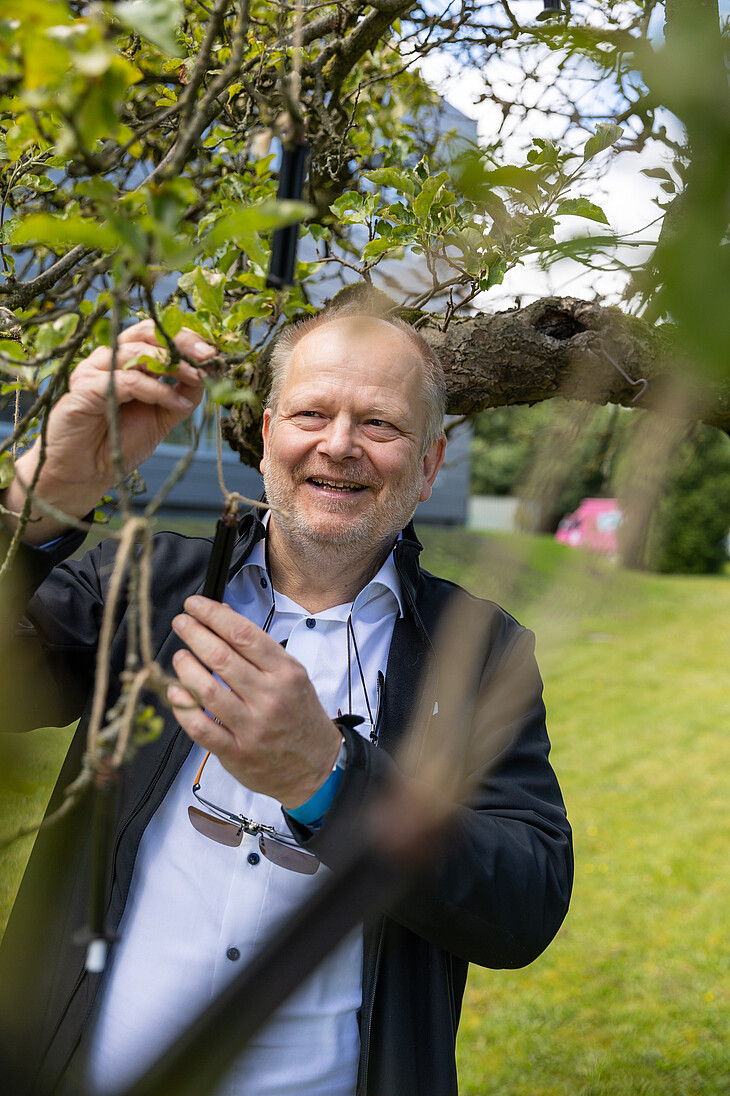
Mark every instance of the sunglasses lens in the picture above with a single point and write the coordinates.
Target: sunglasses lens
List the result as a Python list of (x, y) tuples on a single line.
[(225, 833), (287, 857)]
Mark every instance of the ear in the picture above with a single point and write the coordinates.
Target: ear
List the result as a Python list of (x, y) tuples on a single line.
[(266, 426), (432, 461)]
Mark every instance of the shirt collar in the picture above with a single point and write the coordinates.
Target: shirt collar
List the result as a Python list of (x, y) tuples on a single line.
[(386, 578)]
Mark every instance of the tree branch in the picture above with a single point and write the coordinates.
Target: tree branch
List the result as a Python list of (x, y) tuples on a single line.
[(19, 295)]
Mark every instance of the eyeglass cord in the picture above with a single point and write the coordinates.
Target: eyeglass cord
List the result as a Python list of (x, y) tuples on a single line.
[(350, 631)]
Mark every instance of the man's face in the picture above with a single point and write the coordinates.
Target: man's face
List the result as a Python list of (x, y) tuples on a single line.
[(343, 454)]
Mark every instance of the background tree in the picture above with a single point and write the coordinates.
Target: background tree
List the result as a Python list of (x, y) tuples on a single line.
[(552, 455)]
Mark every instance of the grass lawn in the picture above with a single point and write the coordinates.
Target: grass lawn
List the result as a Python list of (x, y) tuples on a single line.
[(634, 995)]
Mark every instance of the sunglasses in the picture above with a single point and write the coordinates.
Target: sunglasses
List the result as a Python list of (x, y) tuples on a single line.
[(228, 829)]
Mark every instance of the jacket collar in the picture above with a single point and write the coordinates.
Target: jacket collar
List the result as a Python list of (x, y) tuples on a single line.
[(406, 554)]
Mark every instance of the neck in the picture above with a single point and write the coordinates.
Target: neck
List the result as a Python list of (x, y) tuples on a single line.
[(319, 576)]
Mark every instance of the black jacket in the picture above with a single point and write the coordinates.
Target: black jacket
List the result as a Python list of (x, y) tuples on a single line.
[(495, 894)]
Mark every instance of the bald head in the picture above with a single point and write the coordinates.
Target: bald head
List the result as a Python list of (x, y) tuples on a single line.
[(359, 325)]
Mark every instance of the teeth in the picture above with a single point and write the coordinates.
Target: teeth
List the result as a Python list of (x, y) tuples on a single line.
[(338, 485)]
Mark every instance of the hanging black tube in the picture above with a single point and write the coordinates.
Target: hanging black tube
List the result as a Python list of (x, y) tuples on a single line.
[(285, 240), (95, 937), (226, 530)]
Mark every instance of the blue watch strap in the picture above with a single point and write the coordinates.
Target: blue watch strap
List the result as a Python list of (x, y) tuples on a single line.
[(315, 808)]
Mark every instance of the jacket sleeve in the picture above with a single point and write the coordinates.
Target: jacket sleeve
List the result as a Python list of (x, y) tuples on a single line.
[(497, 884)]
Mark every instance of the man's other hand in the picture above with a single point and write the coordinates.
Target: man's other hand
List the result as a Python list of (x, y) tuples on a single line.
[(267, 728)]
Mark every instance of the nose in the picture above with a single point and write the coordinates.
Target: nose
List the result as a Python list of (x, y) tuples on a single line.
[(339, 440)]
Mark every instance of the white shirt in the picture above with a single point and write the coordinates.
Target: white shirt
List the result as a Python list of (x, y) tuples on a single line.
[(198, 911)]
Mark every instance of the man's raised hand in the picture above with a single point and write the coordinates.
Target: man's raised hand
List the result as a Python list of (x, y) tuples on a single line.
[(79, 463)]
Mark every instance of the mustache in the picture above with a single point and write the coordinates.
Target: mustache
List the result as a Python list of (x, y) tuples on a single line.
[(346, 475)]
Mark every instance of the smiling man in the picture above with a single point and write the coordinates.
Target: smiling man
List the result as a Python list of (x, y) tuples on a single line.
[(290, 701)]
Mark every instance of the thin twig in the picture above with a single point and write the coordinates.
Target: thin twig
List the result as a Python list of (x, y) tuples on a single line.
[(101, 682)]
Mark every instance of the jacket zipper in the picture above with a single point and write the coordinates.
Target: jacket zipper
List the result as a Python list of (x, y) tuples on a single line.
[(365, 1036)]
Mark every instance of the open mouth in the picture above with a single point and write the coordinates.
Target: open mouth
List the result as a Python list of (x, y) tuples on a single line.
[(336, 485)]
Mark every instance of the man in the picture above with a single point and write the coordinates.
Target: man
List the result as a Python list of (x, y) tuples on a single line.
[(326, 612)]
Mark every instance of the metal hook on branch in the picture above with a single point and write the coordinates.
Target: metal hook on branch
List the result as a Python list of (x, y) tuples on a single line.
[(642, 383)]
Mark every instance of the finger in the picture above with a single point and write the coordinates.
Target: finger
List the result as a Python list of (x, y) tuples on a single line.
[(102, 357), (190, 343), (144, 331), (150, 390), (246, 638), (138, 355), (217, 655), (134, 379), (209, 693), (194, 721), (187, 342)]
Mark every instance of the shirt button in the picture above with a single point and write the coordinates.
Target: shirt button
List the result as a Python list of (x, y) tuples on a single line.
[(264, 583), (311, 623), (233, 954), (253, 858)]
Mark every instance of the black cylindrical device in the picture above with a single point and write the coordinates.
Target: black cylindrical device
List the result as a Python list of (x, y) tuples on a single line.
[(284, 242), (226, 530)]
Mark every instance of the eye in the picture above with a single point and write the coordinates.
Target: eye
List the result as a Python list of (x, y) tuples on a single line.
[(380, 429)]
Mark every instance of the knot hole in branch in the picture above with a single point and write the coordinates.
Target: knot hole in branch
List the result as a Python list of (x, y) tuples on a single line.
[(558, 324)]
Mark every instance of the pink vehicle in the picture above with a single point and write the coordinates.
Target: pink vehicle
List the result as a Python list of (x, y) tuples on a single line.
[(593, 525)]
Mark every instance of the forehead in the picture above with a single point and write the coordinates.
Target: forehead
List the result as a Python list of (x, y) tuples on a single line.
[(357, 353)]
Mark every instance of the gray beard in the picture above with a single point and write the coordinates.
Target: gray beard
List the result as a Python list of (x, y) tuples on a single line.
[(364, 537)]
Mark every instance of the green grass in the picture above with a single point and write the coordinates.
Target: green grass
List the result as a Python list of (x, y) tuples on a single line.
[(633, 997)]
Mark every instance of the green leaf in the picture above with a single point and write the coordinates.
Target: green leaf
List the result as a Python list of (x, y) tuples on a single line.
[(429, 191), (392, 177), (172, 320), (36, 182), (225, 392), (348, 208), (13, 349), (253, 306), (7, 231), (657, 173), (150, 363), (581, 207), (376, 247), (496, 273), (155, 20), (606, 135), (7, 469), (241, 224), (511, 177), (206, 288), (58, 232), (52, 334), (546, 152)]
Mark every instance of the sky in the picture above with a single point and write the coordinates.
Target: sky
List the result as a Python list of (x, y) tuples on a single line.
[(626, 196)]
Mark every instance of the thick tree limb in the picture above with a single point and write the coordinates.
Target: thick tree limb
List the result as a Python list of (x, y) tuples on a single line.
[(561, 346), (557, 346)]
